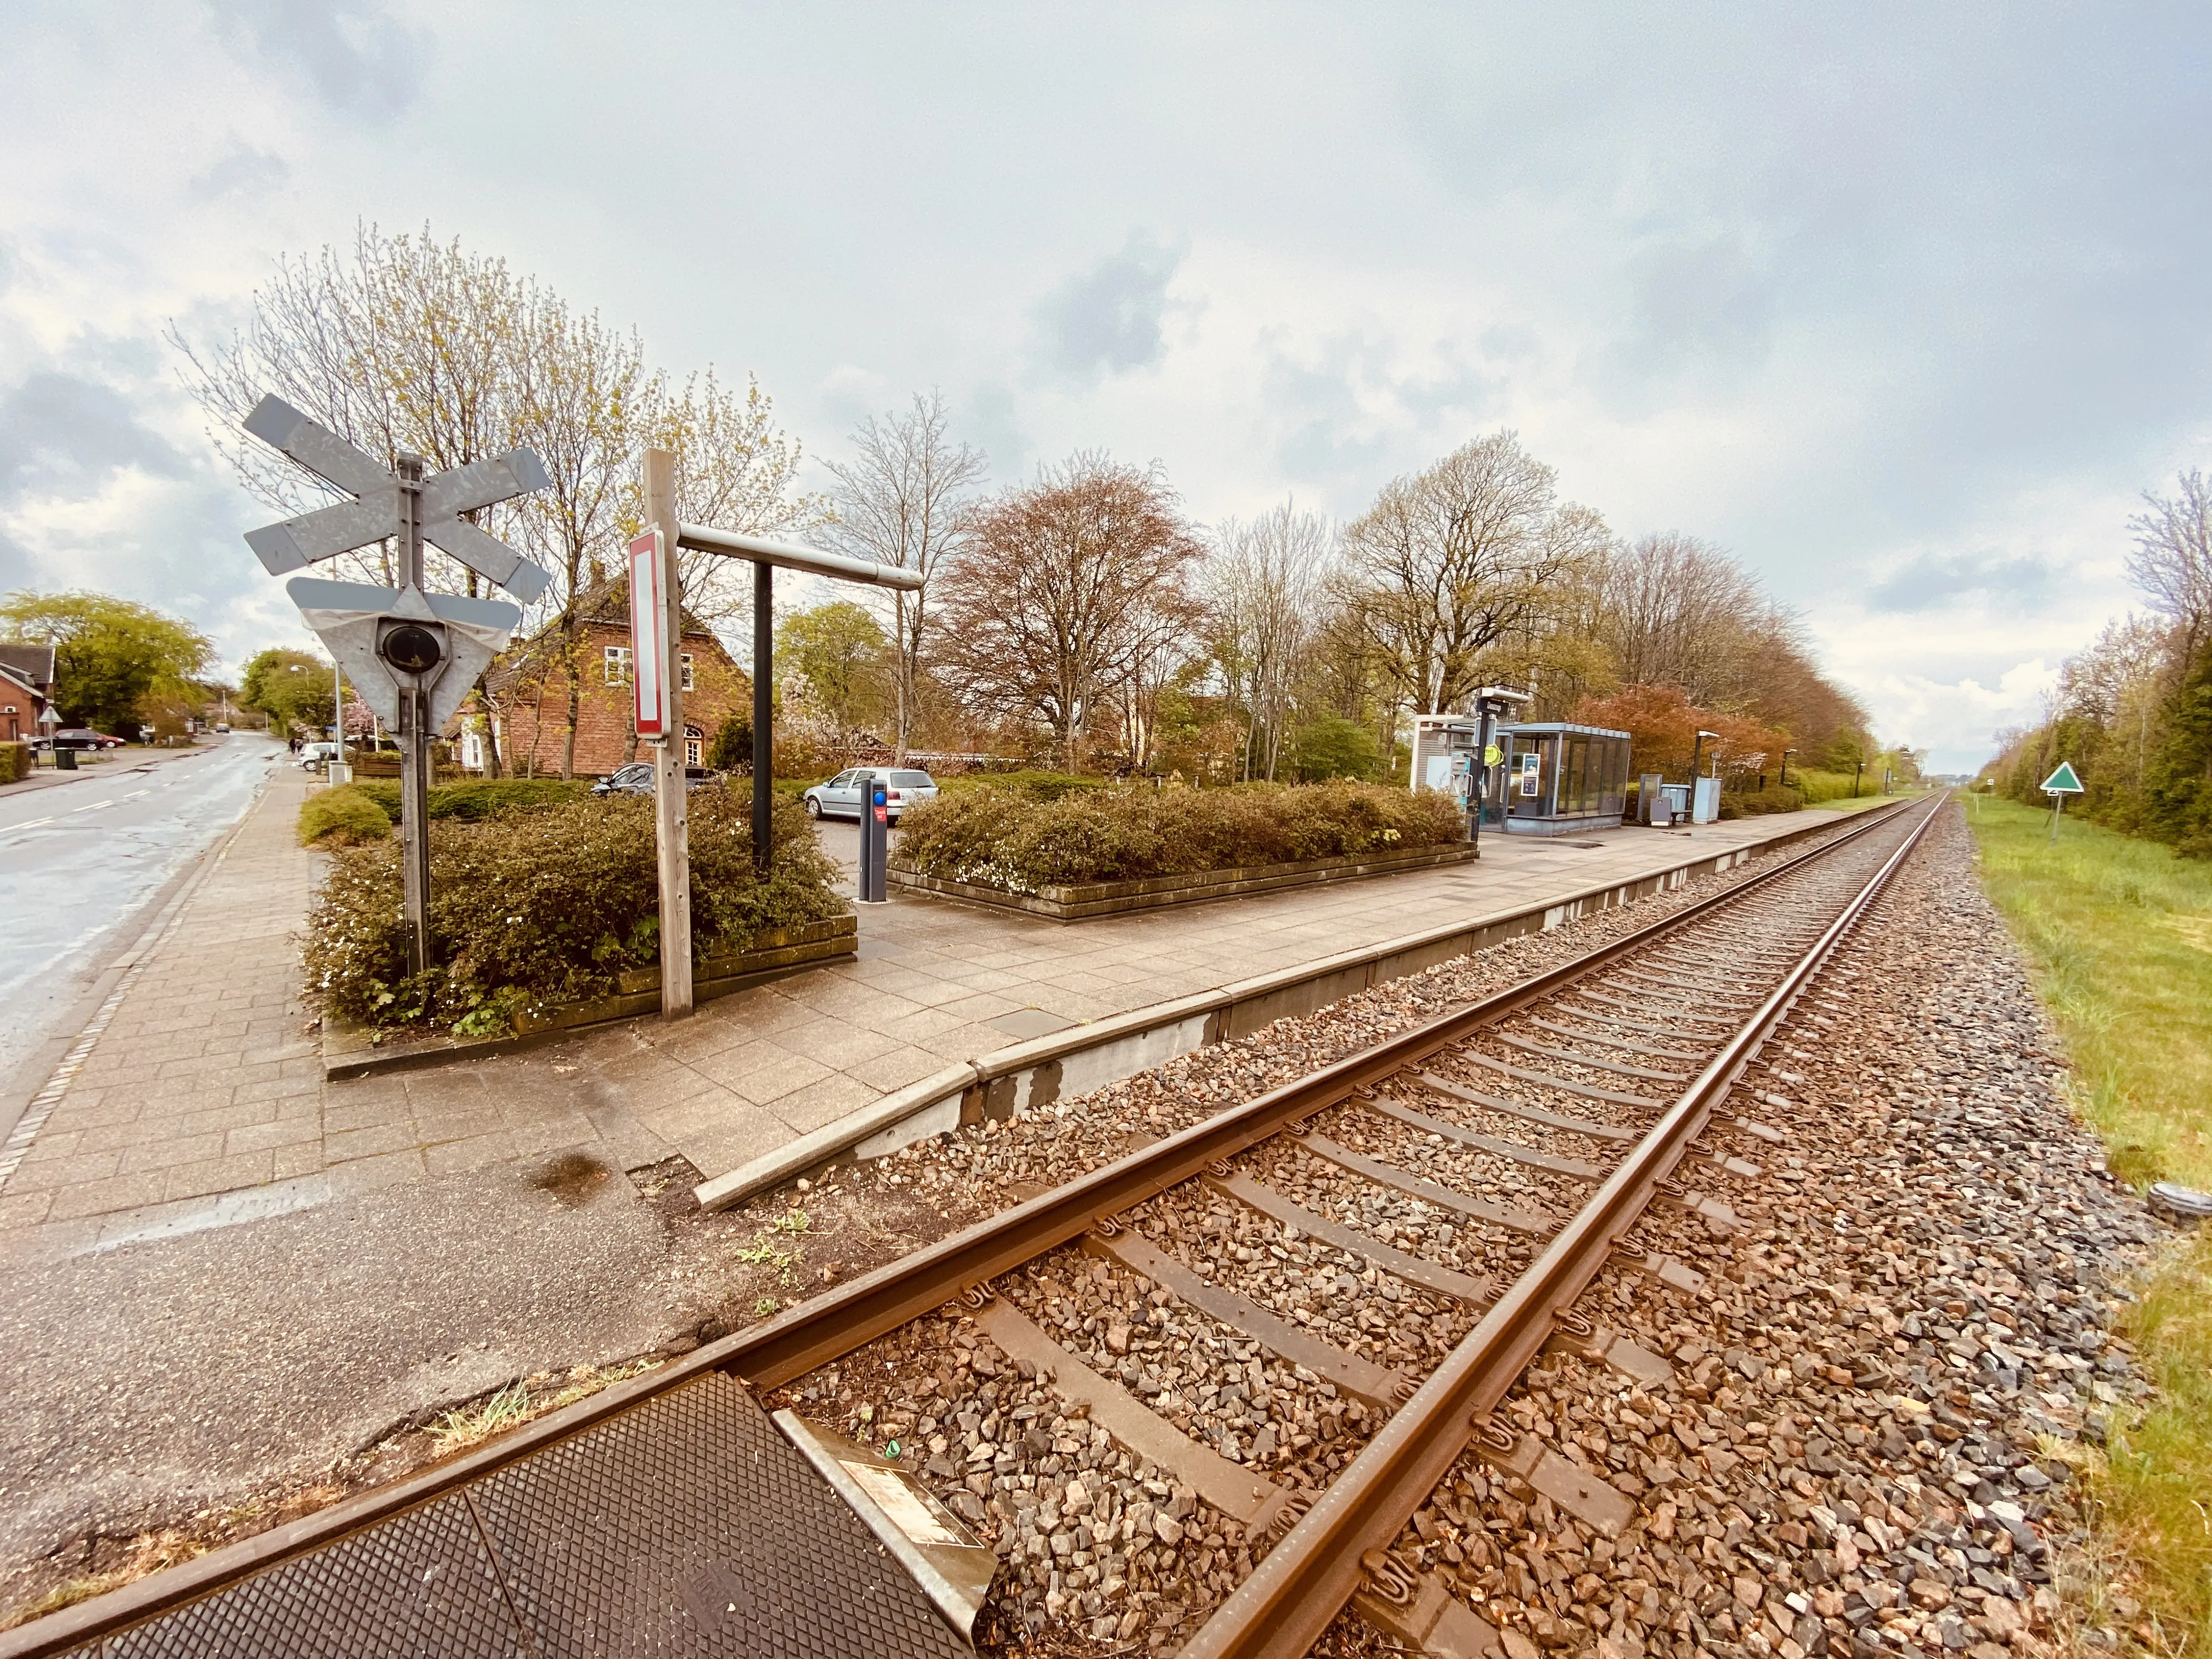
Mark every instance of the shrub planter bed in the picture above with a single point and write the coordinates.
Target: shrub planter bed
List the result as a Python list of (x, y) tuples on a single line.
[(350, 1051), (1080, 902)]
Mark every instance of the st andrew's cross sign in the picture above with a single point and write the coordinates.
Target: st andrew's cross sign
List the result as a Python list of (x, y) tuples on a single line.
[(414, 656)]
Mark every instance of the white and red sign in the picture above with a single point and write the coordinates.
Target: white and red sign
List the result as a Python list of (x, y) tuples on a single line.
[(648, 636)]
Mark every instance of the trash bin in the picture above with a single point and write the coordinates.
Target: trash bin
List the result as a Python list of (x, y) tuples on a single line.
[(65, 759)]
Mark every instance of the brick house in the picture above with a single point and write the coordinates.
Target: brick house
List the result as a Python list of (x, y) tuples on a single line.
[(530, 693), (26, 686)]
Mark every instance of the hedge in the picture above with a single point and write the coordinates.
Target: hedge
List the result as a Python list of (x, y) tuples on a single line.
[(1038, 786), (1756, 803), (343, 816), (549, 906), (15, 761), (1000, 835), (481, 797)]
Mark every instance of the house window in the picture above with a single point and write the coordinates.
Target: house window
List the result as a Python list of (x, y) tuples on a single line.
[(695, 746), (686, 657), (618, 664)]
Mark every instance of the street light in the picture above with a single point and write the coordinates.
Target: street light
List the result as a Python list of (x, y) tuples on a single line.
[(1698, 749), (1786, 754)]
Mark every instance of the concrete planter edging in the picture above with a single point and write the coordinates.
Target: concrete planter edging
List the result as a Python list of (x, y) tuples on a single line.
[(1028, 1077), (1081, 902), (349, 1052)]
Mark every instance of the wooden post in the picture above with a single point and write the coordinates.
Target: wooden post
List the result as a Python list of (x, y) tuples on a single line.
[(671, 795)]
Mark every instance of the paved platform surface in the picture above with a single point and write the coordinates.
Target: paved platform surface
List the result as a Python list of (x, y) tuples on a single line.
[(203, 1103)]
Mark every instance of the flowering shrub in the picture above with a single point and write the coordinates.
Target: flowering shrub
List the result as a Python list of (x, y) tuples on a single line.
[(550, 905), (1006, 838)]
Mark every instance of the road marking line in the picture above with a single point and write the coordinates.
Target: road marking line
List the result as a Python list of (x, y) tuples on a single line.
[(93, 806), (28, 823)]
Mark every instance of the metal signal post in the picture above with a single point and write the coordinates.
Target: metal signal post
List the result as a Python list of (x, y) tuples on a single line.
[(412, 655)]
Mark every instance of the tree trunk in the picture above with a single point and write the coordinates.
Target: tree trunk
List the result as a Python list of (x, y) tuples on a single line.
[(576, 702)]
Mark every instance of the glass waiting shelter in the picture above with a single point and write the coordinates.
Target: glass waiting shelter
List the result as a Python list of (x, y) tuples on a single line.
[(1558, 778)]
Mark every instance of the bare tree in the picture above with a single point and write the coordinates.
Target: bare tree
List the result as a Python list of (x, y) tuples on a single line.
[(405, 345), (1267, 577), (736, 468), (906, 500), (2172, 560), (1675, 611), (1451, 559), (1045, 609)]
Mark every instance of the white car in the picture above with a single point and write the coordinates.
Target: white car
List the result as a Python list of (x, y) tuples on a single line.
[(313, 755), (843, 796)]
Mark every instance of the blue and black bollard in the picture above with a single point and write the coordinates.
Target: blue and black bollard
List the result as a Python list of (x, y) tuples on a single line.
[(875, 840)]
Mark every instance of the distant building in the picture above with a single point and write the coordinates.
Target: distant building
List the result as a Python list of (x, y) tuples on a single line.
[(530, 694), (26, 686)]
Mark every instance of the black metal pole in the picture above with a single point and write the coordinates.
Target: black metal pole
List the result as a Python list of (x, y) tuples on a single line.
[(1478, 781), (763, 708)]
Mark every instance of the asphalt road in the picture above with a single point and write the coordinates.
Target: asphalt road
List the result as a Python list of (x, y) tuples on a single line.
[(79, 860)]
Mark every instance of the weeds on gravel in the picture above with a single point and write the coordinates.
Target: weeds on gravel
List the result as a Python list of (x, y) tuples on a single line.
[(2119, 934), (768, 1250), (473, 1422)]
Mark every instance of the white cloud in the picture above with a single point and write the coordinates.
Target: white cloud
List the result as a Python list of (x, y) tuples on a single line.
[(1902, 308)]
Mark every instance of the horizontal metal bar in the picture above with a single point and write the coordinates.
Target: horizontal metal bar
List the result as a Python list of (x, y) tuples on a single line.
[(703, 538)]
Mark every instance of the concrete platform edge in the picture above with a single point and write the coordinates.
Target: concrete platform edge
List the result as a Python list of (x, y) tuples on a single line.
[(1025, 1076)]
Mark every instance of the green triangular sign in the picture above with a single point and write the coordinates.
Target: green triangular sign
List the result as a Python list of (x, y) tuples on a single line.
[(2062, 782)]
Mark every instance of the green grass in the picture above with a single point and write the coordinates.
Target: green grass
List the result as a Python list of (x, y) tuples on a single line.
[(2118, 933)]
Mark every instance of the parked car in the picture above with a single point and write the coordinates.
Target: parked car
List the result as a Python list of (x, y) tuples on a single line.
[(222, 728), (313, 755), (83, 737), (636, 779), (844, 794)]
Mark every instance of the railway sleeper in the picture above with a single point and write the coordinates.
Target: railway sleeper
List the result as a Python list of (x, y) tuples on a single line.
[(1381, 1387), (1581, 1125), (1574, 1169)]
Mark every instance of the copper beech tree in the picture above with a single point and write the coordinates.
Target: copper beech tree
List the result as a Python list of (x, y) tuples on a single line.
[(1062, 593)]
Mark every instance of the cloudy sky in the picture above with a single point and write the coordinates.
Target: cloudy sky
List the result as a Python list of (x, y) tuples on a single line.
[(1903, 306)]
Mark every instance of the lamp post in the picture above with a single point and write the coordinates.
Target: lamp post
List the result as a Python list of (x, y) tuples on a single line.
[(1697, 750), (1786, 754), (1858, 771)]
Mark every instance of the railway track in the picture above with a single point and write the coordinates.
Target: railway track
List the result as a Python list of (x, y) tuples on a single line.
[(1232, 1365)]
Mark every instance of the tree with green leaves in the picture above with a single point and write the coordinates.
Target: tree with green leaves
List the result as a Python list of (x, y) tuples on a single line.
[(835, 662), (291, 687), (109, 654)]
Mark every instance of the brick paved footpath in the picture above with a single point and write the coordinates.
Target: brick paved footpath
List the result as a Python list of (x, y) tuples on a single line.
[(203, 1101)]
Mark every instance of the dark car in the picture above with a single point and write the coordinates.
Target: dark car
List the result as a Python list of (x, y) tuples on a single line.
[(83, 737), (636, 779)]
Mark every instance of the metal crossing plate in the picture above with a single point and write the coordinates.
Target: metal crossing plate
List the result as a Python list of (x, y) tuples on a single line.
[(686, 1525)]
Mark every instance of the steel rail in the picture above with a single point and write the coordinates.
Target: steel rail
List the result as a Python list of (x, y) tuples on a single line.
[(1281, 1609), (834, 1324)]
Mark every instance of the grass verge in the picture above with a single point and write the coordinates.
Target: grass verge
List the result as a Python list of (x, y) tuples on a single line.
[(2119, 935)]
